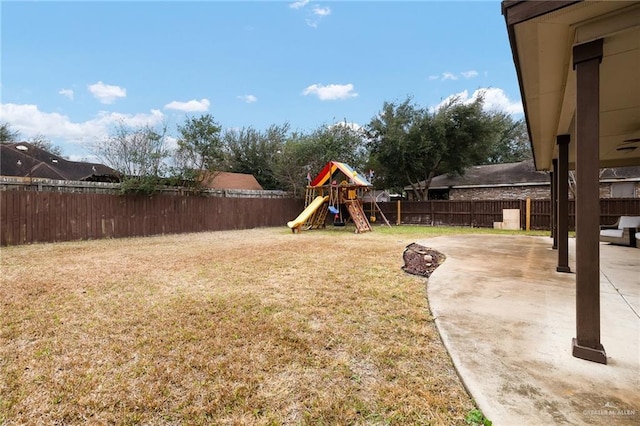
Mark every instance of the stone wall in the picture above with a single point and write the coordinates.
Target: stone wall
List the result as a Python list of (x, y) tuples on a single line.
[(523, 192), (606, 189), (501, 193)]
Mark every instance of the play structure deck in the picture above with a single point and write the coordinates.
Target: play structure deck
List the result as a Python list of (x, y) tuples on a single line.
[(337, 190)]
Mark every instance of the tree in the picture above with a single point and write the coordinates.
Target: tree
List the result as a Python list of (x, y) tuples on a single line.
[(573, 179), (469, 134), (200, 147), (512, 144), (140, 154), (304, 154), (390, 141), (337, 142), (412, 145), (7, 135), (40, 141), (291, 165), (254, 152)]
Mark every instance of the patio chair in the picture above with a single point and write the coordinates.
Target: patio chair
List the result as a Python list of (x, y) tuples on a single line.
[(624, 232)]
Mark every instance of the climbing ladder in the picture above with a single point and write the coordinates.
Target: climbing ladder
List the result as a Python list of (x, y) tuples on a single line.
[(309, 195), (317, 219), (358, 216)]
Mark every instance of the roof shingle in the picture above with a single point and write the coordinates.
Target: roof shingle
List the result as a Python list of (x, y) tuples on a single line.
[(26, 160)]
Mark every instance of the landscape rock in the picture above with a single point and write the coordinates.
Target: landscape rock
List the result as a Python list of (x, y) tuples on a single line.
[(421, 260)]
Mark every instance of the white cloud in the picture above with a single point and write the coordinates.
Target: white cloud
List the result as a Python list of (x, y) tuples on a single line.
[(68, 93), (30, 122), (316, 14), (462, 96), (248, 98), (495, 99), (321, 11), (84, 158), (331, 92), (171, 142), (453, 76), (189, 106), (106, 93), (298, 4), (349, 125), (134, 120), (469, 74), (353, 128)]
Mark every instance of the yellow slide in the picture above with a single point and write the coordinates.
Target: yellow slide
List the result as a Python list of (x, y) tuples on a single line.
[(306, 213)]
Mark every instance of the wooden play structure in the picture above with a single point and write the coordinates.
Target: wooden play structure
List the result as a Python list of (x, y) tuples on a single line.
[(337, 191)]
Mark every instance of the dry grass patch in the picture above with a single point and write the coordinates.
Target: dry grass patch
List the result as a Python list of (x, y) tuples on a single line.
[(243, 327)]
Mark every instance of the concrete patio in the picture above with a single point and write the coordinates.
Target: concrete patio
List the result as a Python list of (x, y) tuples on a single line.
[(507, 318)]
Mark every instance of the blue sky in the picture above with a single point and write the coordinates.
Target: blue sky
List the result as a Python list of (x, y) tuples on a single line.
[(70, 70)]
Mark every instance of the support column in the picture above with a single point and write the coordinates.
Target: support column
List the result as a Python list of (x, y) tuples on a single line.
[(554, 203), (586, 63), (562, 210)]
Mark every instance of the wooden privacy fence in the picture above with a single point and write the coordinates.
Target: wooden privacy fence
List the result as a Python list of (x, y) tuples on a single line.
[(37, 217), (483, 213)]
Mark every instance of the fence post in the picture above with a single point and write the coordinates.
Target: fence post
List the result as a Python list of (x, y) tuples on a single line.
[(528, 218), (398, 221)]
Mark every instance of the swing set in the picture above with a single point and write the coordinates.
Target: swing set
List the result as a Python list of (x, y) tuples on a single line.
[(342, 200)]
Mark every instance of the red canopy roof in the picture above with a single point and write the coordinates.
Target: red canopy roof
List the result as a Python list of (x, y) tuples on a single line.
[(332, 168)]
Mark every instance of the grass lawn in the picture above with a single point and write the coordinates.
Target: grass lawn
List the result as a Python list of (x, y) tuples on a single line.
[(241, 327)]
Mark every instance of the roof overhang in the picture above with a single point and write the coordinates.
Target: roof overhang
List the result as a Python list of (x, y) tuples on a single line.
[(497, 185), (542, 36)]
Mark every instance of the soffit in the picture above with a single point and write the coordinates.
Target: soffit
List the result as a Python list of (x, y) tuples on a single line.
[(544, 59)]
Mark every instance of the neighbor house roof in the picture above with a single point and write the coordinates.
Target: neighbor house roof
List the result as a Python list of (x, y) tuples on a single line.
[(228, 180), (631, 173), (507, 174), (26, 160), (523, 173)]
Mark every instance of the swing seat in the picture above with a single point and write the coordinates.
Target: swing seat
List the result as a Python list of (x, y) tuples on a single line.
[(338, 223), (333, 210)]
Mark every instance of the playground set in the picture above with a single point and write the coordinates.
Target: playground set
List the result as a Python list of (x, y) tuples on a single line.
[(338, 189)]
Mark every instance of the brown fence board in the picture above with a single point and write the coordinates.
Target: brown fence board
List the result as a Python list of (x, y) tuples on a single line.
[(611, 209), (7, 219), (483, 213), (4, 218), (32, 216)]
